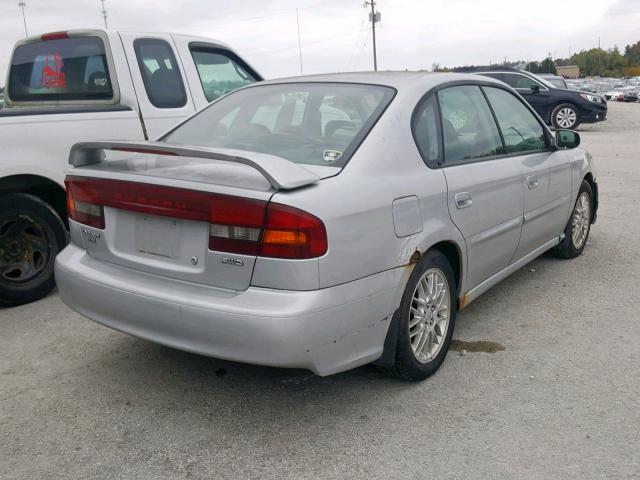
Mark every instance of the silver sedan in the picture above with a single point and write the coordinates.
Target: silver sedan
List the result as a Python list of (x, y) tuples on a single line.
[(323, 222)]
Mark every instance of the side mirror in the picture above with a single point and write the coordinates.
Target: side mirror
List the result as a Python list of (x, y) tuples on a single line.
[(535, 88), (566, 139)]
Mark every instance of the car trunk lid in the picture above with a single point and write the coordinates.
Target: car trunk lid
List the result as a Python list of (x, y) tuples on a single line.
[(193, 219)]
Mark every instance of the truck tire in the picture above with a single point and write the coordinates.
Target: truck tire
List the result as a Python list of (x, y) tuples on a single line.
[(31, 235)]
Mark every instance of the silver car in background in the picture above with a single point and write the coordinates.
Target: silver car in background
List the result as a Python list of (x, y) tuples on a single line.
[(323, 222)]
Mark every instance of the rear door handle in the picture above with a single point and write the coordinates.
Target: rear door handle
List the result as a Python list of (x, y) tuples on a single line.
[(532, 181), (463, 200)]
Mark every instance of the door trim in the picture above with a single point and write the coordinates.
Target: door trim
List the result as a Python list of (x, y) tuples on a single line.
[(475, 292)]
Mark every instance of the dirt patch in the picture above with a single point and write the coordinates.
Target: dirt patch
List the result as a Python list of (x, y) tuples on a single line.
[(476, 346)]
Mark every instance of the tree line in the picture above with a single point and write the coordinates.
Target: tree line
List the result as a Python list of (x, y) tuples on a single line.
[(597, 62), (592, 62)]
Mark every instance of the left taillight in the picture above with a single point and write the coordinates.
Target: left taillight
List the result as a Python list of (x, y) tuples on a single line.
[(83, 203)]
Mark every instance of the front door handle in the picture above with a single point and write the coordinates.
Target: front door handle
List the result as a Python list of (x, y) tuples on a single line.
[(532, 181), (463, 200)]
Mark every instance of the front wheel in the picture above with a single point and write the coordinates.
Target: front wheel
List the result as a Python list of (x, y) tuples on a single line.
[(31, 235), (565, 116), (577, 230), (426, 318)]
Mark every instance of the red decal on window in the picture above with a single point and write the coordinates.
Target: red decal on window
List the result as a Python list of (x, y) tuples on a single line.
[(54, 77)]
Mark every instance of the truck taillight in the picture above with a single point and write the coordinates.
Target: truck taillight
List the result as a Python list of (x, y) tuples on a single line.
[(237, 225), (54, 36)]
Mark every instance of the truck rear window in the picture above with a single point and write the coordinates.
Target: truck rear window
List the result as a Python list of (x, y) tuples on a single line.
[(64, 69)]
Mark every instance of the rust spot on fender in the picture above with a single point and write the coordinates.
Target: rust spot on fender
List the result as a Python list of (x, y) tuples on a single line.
[(415, 258), (463, 301)]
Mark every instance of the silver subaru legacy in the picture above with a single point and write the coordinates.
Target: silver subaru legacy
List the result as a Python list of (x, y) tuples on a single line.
[(323, 222)]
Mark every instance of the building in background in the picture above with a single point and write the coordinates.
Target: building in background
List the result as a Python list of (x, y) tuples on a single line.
[(568, 71)]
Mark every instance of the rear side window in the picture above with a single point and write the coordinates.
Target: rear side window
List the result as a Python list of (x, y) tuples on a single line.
[(65, 69), (515, 80), (520, 129), (425, 131), (160, 73), (220, 71), (468, 127)]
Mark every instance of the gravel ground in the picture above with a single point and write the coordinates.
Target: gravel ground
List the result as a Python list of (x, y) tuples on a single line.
[(561, 400)]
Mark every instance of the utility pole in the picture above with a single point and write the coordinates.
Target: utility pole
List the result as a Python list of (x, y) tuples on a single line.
[(373, 18), (299, 40), (24, 18), (103, 14)]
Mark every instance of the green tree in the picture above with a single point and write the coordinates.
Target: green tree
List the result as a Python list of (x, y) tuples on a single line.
[(547, 66), (533, 67), (632, 54)]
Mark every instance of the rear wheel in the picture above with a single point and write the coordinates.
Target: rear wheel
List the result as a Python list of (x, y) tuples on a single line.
[(426, 318), (31, 235), (565, 115)]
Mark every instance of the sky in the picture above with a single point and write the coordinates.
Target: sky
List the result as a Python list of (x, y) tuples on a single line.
[(336, 34)]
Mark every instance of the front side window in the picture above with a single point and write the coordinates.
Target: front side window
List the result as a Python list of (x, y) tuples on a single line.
[(63, 69), (520, 129), (220, 71), (160, 73), (468, 127), (309, 123)]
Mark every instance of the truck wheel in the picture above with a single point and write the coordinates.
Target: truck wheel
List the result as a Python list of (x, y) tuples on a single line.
[(31, 235), (565, 115)]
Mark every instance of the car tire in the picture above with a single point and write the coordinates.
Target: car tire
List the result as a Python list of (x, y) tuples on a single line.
[(578, 227), (565, 115), (432, 292), (31, 235)]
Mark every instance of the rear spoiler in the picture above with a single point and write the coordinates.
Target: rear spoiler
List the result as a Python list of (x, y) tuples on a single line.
[(281, 174)]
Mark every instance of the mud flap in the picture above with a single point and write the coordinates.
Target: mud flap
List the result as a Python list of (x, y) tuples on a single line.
[(388, 358)]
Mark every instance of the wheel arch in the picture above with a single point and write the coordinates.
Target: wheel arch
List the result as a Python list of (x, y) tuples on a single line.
[(44, 188), (452, 253)]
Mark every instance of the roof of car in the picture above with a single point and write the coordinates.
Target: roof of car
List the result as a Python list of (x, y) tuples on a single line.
[(398, 80)]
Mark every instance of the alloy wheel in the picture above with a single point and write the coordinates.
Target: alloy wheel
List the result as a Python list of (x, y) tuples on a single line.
[(429, 315), (566, 118), (580, 220)]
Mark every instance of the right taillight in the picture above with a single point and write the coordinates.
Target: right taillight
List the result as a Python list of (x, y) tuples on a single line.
[(292, 233), (239, 226)]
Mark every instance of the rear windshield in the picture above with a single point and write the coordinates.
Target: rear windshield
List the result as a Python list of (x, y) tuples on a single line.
[(60, 70), (310, 123)]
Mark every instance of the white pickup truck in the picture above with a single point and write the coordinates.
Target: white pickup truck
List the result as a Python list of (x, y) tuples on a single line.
[(67, 87)]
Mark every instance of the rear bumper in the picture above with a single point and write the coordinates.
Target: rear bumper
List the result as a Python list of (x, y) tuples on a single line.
[(326, 331)]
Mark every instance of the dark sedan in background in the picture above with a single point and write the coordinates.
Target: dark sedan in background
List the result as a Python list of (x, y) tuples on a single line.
[(559, 107)]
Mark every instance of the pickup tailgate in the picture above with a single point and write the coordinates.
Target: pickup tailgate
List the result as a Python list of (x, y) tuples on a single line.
[(193, 219)]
